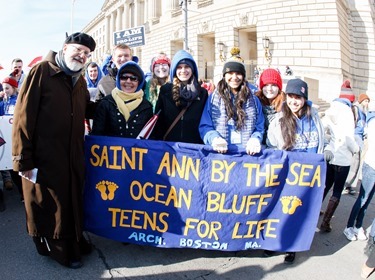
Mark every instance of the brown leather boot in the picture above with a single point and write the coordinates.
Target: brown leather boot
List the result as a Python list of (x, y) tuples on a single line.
[(8, 185), (331, 208)]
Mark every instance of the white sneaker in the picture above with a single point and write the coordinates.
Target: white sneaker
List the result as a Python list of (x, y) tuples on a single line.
[(361, 234), (350, 234)]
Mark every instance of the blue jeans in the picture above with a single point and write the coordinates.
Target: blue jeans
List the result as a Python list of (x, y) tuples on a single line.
[(366, 193), (336, 176)]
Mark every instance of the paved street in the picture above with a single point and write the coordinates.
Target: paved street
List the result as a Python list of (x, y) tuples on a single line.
[(331, 256)]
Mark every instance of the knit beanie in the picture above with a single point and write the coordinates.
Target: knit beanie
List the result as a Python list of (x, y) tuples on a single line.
[(234, 66), (363, 97), (187, 62), (161, 59), (133, 68), (234, 63), (346, 91), (10, 81), (270, 76), (297, 87)]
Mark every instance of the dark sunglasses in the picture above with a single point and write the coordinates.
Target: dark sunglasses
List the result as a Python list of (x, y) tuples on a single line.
[(126, 77)]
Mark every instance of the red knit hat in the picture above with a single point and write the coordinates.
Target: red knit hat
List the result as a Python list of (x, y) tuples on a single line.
[(270, 76), (10, 81), (161, 59), (346, 91)]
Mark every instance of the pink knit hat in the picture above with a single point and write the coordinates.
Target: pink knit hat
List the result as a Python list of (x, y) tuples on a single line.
[(270, 76), (346, 91)]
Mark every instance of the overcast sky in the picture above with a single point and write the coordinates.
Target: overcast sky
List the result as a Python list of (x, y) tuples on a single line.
[(30, 28)]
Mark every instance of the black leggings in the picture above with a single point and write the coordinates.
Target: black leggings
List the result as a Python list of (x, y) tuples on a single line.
[(336, 176)]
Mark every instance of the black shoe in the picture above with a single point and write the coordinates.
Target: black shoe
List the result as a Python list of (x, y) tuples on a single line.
[(268, 253), (349, 190), (85, 247), (289, 257), (43, 251), (2, 203), (75, 264), (41, 246)]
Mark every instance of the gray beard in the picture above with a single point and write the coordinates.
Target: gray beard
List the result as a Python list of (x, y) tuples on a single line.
[(74, 66)]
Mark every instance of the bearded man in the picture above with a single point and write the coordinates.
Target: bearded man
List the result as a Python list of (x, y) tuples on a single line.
[(48, 134)]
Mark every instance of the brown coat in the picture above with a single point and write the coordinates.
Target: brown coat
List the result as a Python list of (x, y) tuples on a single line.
[(48, 134)]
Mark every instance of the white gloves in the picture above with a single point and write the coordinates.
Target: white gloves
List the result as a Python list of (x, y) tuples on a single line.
[(328, 155), (220, 145), (253, 146)]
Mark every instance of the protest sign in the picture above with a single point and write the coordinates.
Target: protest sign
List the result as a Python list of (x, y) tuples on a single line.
[(182, 195), (133, 37)]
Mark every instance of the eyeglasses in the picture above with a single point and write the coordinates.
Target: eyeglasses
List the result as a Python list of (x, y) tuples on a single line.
[(80, 51), (126, 77)]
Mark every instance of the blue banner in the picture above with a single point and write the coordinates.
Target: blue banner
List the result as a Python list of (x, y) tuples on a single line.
[(180, 195)]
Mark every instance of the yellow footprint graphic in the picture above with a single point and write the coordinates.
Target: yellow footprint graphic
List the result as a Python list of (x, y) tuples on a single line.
[(102, 189), (295, 203), (112, 187), (285, 201)]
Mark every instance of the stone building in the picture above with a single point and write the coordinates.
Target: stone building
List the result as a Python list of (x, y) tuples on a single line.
[(323, 41)]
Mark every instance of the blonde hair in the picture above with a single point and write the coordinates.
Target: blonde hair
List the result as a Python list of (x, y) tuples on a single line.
[(123, 47)]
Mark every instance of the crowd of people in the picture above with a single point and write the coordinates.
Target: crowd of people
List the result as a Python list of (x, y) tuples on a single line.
[(65, 90)]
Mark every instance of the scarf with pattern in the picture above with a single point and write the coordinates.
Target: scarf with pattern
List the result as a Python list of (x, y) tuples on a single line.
[(219, 117)]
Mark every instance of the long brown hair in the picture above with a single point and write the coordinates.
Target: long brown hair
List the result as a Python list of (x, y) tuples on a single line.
[(277, 102), (176, 91), (288, 124), (154, 82), (240, 98)]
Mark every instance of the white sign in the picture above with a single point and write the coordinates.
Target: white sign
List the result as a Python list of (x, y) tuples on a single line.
[(133, 37)]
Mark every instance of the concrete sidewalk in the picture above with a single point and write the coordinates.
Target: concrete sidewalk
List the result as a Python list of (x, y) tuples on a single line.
[(331, 256)]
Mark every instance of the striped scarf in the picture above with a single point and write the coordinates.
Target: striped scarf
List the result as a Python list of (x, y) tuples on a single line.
[(220, 122)]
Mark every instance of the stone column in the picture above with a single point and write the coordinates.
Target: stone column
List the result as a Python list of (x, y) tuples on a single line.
[(170, 5), (107, 33), (112, 29), (126, 17), (119, 19), (152, 10), (139, 8)]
